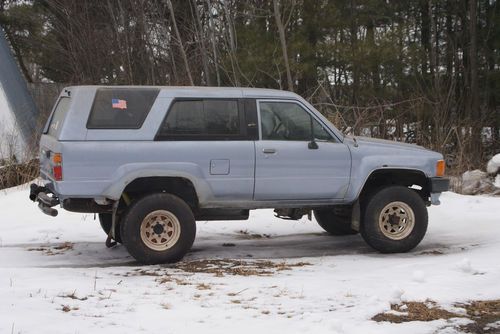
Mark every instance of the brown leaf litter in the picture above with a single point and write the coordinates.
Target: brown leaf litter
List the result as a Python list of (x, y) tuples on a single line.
[(55, 249), (482, 313), (236, 267)]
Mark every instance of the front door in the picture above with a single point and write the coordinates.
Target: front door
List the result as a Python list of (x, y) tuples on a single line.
[(296, 157)]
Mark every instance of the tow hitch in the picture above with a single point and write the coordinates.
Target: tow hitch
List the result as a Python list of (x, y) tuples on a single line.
[(45, 202)]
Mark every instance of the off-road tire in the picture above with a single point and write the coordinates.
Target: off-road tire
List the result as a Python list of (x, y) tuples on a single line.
[(334, 223), (140, 210), (105, 219), (379, 206)]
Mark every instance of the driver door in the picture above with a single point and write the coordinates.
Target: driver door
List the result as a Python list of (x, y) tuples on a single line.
[(297, 158)]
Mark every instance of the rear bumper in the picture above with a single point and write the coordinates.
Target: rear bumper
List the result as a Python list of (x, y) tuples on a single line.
[(46, 203), (439, 184)]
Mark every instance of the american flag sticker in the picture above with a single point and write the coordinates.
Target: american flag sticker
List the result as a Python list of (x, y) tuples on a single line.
[(119, 104)]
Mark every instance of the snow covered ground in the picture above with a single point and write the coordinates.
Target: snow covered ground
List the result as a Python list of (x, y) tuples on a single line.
[(57, 276)]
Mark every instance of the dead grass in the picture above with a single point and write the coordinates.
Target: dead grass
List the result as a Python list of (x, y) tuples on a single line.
[(414, 311), (67, 308), (203, 286), (53, 249), (481, 313), (236, 267), (166, 306), (143, 272), (73, 296), (13, 173)]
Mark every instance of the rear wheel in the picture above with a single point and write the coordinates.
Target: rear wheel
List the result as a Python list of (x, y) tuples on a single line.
[(336, 221), (105, 219), (158, 228), (395, 220)]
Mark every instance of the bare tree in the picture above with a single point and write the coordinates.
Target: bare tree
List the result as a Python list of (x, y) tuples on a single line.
[(212, 40), (475, 113), (202, 45), (179, 40), (281, 30), (232, 43)]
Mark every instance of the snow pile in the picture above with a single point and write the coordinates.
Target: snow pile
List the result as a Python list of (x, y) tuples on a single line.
[(476, 182), (493, 166), (479, 182)]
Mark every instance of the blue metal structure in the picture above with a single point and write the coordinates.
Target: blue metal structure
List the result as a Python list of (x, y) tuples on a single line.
[(16, 91)]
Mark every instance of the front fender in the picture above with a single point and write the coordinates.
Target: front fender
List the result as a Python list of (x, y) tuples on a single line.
[(364, 166)]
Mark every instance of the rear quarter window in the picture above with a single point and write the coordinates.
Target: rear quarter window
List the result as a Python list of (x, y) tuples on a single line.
[(57, 117), (121, 108), (204, 119)]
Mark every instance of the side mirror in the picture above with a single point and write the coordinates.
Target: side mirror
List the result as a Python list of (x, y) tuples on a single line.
[(312, 145)]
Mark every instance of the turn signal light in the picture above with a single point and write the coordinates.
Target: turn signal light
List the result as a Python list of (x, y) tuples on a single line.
[(440, 168), (57, 166), (57, 158)]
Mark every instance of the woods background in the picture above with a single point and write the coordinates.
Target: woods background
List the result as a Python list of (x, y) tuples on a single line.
[(420, 71)]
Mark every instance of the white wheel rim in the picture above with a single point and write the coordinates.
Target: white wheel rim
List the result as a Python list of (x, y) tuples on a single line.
[(396, 220), (160, 230)]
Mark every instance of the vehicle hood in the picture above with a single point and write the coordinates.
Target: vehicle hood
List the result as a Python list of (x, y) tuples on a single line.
[(382, 143)]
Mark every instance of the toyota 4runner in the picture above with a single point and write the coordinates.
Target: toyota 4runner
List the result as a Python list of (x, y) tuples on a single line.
[(151, 161)]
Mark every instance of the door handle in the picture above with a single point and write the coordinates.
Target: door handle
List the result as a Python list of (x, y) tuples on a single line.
[(269, 150)]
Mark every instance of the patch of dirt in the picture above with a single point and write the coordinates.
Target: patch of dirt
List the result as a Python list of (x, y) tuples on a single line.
[(482, 313), (53, 249), (245, 234), (143, 272), (431, 252), (236, 267)]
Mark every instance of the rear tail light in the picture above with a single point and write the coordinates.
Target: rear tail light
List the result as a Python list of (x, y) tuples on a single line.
[(440, 168), (57, 166)]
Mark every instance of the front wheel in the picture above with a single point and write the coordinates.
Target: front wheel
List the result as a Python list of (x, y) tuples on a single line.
[(395, 220), (158, 228)]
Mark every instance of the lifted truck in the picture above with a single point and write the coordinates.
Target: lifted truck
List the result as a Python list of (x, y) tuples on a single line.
[(151, 161)]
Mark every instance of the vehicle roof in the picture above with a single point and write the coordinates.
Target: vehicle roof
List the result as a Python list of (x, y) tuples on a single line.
[(202, 91)]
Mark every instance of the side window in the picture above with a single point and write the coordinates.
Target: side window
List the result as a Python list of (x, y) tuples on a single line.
[(222, 117), (289, 121), (185, 118), (202, 119), (121, 108), (320, 133)]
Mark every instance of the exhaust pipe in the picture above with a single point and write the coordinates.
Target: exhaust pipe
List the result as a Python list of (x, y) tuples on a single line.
[(48, 211)]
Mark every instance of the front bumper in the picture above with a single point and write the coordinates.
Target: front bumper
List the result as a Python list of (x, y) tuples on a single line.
[(439, 184), (46, 203)]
